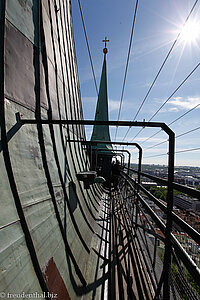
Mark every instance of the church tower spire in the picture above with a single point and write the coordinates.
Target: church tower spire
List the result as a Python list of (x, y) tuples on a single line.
[(102, 132), (102, 153)]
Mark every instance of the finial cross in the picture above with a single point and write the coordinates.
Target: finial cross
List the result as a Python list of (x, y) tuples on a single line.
[(105, 41)]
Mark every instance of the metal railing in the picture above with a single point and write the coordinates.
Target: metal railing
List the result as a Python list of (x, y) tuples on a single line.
[(143, 220), (148, 225)]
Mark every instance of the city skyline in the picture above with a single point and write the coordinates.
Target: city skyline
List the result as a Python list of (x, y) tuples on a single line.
[(156, 28)]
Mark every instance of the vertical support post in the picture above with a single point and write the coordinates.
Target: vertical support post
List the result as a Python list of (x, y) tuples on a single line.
[(123, 159), (168, 245), (121, 155), (90, 157), (96, 160), (129, 162), (139, 181), (87, 164), (154, 253), (139, 165)]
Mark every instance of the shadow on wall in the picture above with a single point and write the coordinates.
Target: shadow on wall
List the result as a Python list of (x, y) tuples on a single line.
[(72, 196)]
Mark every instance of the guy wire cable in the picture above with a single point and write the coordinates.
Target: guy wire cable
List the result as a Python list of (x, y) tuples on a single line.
[(159, 71), (174, 91), (180, 85), (177, 119), (88, 47), (179, 151), (127, 62), (182, 134)]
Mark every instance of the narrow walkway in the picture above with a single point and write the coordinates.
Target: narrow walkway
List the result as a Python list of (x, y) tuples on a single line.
[(126, 279), (115, 259), (98, 263)]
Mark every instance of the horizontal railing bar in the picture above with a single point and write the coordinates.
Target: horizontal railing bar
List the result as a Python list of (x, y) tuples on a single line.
[(187, 190), (151, 232), (195, 235), (184, 256), (95, 142), (148, 208), (186, 259), (188, 229), (181, 188), (20, 118)]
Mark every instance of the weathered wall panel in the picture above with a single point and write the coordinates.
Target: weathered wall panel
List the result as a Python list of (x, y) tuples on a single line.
[(23, 15), (43, 162), (20, 69)]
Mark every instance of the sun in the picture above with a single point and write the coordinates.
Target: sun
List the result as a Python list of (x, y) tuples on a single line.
[(190, 32)]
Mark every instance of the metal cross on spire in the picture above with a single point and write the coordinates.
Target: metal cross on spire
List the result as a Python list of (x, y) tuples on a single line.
[(105, 41), (105, 50)]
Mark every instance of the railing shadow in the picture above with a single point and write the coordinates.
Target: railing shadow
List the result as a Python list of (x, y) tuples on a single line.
[(11, 133)]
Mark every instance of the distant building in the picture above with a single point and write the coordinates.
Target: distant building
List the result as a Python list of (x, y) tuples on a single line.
[(186, 179), (149, 183), (190, 218), (187, 203)]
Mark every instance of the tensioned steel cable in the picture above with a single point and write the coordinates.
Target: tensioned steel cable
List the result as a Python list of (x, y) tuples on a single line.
[(180, 85), (88, 47), (155, 155), (188, 150), (157, 144), (182, 134), (179, 151), (194, 129), (127, 62), (177, 119), (159, 71), (174, 92)]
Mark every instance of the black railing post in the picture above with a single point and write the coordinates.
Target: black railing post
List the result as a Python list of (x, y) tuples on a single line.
[(121, 155), (129, 162), (96, 159), (91, 162), (168, 244), (139, 164), (138, 183), (122, 151)]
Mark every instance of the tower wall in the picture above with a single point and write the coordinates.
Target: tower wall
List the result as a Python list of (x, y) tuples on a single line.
[(39, 188)]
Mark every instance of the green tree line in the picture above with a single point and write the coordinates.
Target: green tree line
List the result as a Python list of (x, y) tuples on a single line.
[(161, 192)]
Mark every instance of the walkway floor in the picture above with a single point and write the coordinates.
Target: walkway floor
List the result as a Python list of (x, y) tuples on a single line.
[(114, 259), (125, 279)]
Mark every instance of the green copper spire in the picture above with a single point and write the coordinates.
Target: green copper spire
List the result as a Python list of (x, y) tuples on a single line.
[(102, 132)]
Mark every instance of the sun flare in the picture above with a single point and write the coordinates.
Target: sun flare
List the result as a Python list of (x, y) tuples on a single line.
[(190, 32)]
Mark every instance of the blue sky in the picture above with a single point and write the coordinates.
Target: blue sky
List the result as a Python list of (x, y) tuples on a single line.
[(157, 26)]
